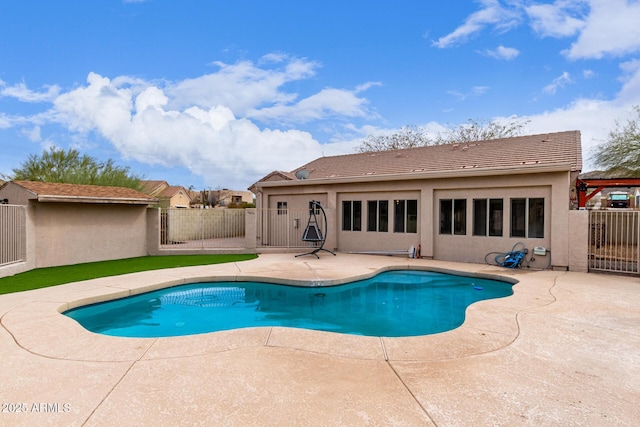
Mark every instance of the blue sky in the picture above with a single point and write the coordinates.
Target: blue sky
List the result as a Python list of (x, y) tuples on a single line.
[(217, 94)]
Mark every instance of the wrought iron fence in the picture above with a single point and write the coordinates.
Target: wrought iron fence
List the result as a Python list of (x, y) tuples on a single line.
[(202, 228), (283, 228), (12, 234), (225, 228), (614, 240)]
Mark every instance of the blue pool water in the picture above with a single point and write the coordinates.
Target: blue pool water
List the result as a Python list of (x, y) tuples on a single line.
[(392, 304)]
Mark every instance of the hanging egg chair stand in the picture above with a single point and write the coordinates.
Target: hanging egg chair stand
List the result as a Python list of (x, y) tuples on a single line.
[(313, 232)]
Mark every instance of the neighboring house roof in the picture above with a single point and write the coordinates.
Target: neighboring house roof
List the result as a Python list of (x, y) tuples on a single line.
[(173, 190), (280, 175), (561, 150), (173, 193), (153, 187), (77, 193)]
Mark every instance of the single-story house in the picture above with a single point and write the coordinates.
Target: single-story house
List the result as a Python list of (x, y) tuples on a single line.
[(458, 202), (169, 196), (71, 223), (221, 198)]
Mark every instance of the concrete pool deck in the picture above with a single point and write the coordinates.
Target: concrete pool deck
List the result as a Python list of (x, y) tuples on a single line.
[(563, 350)]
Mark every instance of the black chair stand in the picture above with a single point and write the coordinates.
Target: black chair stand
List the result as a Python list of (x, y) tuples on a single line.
[(313, 232)]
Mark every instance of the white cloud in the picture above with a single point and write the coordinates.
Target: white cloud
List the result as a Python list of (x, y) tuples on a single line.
[(211, 143), (5, 122), (457, 94), (32, 134), (594, 118), (22, 93), (242, 86), (98, 106), (556, 20), (610, 29), (326, 103), (601, 27), (474, 91), (501, 52), (206, 124), (559, 82), (479, 90), (490, 14), (630, 91)]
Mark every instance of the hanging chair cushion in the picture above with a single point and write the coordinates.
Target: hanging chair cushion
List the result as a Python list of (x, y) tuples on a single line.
[(312, 234)]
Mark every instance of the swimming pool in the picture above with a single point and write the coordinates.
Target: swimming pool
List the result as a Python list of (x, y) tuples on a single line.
[(396, 303)]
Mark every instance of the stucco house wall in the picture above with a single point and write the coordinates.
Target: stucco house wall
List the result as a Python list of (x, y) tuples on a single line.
[(428, 193), (71, 224), (178, 200), (470, 248), (273, 228), (227, 197), (532, 167), (374, 241), (15, 194), (72, 233), (579, 240)]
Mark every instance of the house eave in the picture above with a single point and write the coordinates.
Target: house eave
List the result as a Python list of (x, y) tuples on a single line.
[(43, 198), (453, 173)]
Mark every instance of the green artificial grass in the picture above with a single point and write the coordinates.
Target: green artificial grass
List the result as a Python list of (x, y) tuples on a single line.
[(51, 276)]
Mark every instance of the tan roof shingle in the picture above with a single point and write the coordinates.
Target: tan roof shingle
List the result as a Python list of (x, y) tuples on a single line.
[(153, 187), (173, 190), (55, 191), (545, 149)]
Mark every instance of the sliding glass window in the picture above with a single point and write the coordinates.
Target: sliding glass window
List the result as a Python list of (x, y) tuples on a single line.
[(352, 215), (527, 218), (479, 217), (378, 215), (453, 216), (460, 216), (405, 216), (536, 218), (446, 216), (487, 217)]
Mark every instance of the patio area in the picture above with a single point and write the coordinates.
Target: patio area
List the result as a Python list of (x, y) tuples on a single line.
[(563, 350)]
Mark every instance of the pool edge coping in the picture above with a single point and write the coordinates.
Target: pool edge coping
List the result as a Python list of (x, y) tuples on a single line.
[(46, 316)]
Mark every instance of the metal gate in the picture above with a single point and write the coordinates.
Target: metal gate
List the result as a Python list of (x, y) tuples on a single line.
[(12, 234), (283, 228), (614, 240), (202, 228), (225, 228)]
